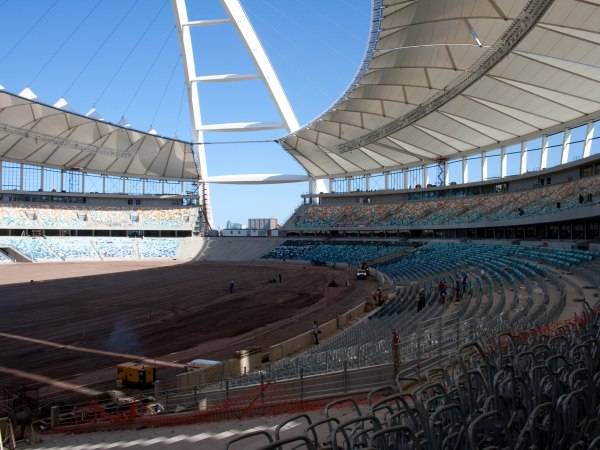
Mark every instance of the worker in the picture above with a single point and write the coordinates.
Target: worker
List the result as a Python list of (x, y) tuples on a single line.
[(316, 331)]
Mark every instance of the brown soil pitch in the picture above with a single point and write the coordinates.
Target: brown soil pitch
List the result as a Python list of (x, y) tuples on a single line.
[(159, 310)]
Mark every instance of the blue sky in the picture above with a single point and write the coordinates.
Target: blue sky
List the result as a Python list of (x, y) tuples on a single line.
[(122, 57)]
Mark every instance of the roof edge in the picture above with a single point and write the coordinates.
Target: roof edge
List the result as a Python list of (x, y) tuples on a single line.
[(376, 16), (64, 111)]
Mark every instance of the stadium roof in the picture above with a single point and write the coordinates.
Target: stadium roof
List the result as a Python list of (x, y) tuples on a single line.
[(439, 80), (39, 134), (442, 79)]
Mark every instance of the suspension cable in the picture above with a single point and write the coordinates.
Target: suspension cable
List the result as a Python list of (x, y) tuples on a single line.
[(99, 48), (148, 71), (29, 30), (180, 106), (165, 90), (49, 60), (129, 54)]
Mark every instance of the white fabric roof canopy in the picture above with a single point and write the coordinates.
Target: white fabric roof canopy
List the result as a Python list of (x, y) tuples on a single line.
[(429, 91), (39, 134)]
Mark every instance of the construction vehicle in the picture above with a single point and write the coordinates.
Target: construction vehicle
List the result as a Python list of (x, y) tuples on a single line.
[(136, 375)]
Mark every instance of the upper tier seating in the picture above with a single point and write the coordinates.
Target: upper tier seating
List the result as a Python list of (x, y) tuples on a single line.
[(63, 216), (453, 210)]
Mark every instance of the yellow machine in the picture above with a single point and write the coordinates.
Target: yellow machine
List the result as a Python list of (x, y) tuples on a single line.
[(136, 375)]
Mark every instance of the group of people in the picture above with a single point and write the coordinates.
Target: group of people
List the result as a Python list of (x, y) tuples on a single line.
[(274, 280), (581, 198), (460, 287)]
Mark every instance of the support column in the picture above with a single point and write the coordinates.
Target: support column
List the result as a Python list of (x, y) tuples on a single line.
[(317, 186), (348, 184), (425, 174), (405, 178), (566, 147), (503, 162), (544, 153), (589, 136), (465, 170), (22, 170), (523, 163), (386, 180), (484, 166), (331, 185)]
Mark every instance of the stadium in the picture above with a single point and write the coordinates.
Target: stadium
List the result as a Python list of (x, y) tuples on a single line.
[(437, 286)]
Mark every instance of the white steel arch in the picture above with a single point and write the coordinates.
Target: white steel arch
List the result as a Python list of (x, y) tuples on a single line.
[(236, 17)]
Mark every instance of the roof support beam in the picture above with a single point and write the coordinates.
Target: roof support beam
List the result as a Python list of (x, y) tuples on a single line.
[(254, 47), (225, 78), (204, 23)]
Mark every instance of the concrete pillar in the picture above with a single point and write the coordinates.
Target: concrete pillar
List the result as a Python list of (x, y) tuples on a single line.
[(544, 153), (503, 162), (157, 389), (589, 136), (465, 170), (523, 163), (484, 166), (566, 147), (54, 416)]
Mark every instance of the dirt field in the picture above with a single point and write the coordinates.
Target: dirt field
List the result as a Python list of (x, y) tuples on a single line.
[(169, 311)]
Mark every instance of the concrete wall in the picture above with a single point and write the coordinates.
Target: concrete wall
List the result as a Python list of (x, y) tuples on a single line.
[(231, 368), (306, 340), (236, 367), (237, 248)]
